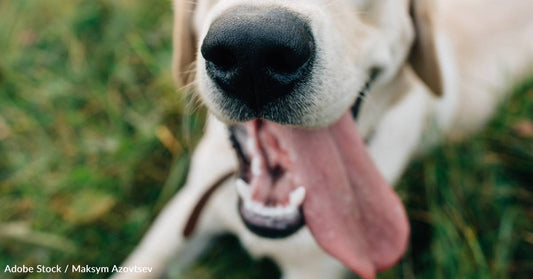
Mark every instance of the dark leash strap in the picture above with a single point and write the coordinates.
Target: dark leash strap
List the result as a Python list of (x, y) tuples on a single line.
[(202, 202)]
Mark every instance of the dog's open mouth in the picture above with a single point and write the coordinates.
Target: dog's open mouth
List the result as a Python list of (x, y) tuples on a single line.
[(270, 195), (327, 178)]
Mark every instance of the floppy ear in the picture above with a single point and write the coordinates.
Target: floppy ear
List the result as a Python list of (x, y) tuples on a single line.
[(424, 56), (183, 40)]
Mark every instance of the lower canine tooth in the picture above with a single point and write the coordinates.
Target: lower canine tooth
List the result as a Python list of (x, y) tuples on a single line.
[(257, 207), (297, 196), (289, 210)]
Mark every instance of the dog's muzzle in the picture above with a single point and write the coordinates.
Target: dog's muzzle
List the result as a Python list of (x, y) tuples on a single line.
[(258, 55)]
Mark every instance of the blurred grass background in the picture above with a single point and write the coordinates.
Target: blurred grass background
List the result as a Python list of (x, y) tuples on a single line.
[(94, 139)]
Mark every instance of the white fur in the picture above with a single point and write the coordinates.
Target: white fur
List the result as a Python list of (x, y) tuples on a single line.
[(483, 47), (339, 64)]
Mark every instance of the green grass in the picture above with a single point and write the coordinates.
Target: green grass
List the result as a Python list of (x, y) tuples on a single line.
[(94, 139)]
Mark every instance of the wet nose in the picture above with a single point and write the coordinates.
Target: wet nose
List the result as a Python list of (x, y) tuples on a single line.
[(258, 54)]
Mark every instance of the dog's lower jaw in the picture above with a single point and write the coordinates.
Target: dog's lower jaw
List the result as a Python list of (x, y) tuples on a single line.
[(281, 228)]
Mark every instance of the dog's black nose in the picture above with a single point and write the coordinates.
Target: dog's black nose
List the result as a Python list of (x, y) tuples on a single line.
[(258, 54)]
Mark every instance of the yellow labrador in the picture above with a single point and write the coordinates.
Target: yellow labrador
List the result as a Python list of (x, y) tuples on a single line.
[(317, 107)]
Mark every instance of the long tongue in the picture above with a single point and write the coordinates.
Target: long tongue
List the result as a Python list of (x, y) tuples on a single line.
[(351, 210)]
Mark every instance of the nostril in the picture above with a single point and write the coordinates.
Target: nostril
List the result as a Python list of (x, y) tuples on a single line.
[(283, 61), (221, 57), (287, 59)]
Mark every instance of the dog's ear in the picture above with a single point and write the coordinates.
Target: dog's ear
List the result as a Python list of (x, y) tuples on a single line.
[(183, 40), (424, 56)]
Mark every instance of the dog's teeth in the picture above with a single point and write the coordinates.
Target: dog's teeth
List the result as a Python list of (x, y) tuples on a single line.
[(277, 211), (259, 207), (256, 166), (243, 189), (259, 210), (297, 196), (255, 206), (288, 210), (270, 212), (267, 211)]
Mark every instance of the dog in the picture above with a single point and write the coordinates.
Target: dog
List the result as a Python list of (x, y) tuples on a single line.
[(316, 107)]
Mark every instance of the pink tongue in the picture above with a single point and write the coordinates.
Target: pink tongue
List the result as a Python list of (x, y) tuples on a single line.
[(351, 210)]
